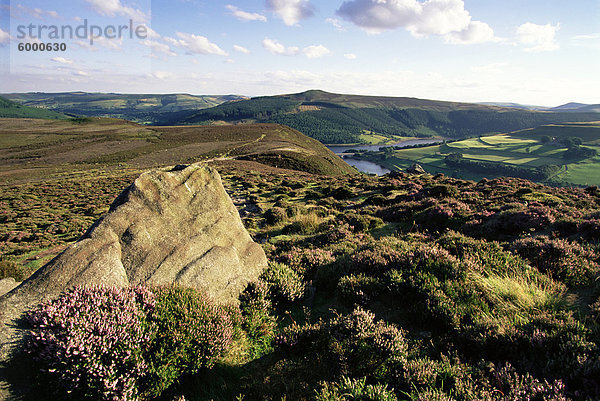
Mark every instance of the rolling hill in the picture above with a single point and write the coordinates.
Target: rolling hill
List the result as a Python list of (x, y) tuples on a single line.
[(327, 117), (9, 109), (134, 107), (337, 118), (41, 147), (578, 108)]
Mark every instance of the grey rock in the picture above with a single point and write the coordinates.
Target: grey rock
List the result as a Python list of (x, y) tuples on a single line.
[(415, 169), (175, 226), (7, 284)]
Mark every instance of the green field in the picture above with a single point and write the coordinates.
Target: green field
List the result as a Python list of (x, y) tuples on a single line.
[(523, 149)]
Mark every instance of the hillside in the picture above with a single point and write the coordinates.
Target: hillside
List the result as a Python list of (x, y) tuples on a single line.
[(401, 287), (135, 107), (563, 154), (40, 147), (578, 108), (335, 118), (9, 109)]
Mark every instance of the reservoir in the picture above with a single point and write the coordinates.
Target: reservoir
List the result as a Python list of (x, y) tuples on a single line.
[(367, 166), (370, 167)]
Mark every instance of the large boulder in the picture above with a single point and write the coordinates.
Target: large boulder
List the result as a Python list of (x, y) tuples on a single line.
[(175, 226)]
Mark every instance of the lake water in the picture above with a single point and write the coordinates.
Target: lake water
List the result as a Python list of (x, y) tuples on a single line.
[(337, 149), (367, 166), (370, 167)]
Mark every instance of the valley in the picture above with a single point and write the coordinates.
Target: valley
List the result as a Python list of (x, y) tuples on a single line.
[(522, 153)]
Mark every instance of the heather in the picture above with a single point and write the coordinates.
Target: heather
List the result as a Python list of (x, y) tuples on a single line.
[(106, 343), (402, 287)]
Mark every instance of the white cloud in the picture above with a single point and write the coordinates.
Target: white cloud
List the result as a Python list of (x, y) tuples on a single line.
[(245, 16), (111, 44), (241, 49), (291, 11), (80, 73), (316, 51), (111, 8), (539, 38), (313, 51), (4, 37), (337, 24), (476, 32), (592, 36), (86, 45), (162, 75), (448, 18), (196, 44), (150, 33), (350, 56), (274, 47), (158, 47), (62, 60)]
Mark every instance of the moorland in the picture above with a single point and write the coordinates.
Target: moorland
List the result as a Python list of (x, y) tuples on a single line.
[(400, 287)]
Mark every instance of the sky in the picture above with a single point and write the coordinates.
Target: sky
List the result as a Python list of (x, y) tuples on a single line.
[(536, 52)]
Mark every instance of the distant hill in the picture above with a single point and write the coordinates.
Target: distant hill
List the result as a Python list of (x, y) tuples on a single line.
[(570, 106), (514, 105), (338, 118), (9, 109), (134, 107), (578, 108)]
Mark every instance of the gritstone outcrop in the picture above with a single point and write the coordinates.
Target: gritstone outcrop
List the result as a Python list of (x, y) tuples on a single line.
[(175, 226)]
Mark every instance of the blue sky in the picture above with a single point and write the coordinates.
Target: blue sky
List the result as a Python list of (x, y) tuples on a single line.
[(533, 51)]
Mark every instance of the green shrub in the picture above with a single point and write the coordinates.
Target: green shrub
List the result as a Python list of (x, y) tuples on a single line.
[(354, 343), (355, 390), (283, 282), (275, 215), (342, 193), (442, 191), (191, 333), (11, 268), (257, 320), (363, 222), (431, 395), (359, 288), (309, 223), (567, 261), (376, 199)]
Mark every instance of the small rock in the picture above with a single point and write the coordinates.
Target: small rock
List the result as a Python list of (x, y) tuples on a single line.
[(415, 169)]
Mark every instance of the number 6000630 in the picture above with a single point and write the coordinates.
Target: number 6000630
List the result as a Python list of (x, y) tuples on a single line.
[(42, 47)]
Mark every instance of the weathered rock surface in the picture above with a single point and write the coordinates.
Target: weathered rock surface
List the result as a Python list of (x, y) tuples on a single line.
[(7, 284), (415, 169), (170, 226)]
